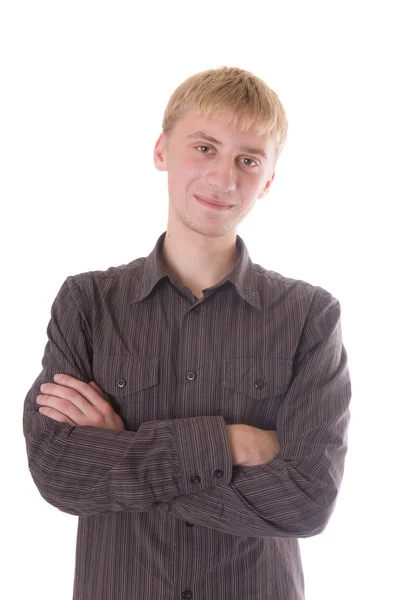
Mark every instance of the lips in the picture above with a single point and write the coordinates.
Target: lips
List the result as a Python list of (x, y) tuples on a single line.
[(212, 202)]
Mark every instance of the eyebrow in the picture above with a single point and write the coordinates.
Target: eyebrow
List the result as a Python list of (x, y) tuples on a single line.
[(213, 140)]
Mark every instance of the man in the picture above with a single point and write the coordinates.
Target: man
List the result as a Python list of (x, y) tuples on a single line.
[(193, 407)]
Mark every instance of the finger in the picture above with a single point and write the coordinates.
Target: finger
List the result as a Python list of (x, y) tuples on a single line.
[(64, 407), (55, 415), (67, 394), (82, 388), (99, 391)]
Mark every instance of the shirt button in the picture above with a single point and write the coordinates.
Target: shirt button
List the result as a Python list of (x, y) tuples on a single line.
[(259, 384), (187, 595), (121, 383), (191, 375), (188, 524), (195, 479), (196, 310), (218, 473)]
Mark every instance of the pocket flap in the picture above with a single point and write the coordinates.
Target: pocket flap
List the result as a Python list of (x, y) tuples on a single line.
[(257, 377), (122, 375)]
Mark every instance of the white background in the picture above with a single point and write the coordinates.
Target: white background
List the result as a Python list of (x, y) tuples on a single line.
[(83, 90)]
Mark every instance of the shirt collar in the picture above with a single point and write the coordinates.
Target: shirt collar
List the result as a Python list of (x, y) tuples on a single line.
[(242, 276)]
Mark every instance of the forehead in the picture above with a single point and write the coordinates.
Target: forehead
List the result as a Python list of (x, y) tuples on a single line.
[(220, 122)]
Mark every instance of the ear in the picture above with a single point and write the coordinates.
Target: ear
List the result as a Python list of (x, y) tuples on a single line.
[(160, 153), (266, 187)]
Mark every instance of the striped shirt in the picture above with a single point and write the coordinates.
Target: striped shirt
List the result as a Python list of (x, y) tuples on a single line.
[(162, 511)]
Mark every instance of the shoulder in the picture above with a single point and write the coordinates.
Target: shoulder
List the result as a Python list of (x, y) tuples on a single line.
[(274, 287), (113, 280)]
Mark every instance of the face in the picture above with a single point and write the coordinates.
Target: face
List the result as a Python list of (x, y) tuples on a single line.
[(209, 160)]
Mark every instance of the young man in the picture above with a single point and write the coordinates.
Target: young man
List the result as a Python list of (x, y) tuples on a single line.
[(193, 407)]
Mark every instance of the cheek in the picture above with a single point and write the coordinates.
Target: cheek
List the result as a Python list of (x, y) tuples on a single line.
[(253, 186), (182, 173)]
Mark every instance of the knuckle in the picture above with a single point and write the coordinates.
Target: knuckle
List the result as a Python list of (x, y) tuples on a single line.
[(75, 396), (63, 405), (107, 410), (98, 419)]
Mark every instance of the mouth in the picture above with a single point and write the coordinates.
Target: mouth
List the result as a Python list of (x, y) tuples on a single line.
[(213, 204)]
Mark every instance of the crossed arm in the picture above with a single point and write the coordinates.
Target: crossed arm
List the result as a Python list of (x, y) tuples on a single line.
[(85, 462), (77, 403)]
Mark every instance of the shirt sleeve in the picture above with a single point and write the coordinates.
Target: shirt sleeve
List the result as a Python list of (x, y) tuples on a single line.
[(88, 470), (293, 495)]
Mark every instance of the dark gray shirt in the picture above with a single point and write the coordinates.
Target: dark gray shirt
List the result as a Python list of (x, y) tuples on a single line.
[(162, 511)]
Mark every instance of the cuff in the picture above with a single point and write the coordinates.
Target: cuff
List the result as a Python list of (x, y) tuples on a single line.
[(204, 454)]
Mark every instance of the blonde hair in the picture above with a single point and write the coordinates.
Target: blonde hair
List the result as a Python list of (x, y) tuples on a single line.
[(236, 92)]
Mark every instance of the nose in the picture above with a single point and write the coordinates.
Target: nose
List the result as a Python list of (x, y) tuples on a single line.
[(221, 175)]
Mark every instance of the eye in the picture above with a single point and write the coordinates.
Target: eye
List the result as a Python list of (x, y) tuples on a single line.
[(254, 163), (251, 160), (207, 148)]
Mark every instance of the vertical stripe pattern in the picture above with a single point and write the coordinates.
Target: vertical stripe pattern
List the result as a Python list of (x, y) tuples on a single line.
[(163, 512)]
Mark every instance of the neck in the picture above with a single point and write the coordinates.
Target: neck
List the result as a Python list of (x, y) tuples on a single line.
[(198, 261)]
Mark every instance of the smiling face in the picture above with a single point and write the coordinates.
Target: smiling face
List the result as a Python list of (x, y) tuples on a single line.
[(209, 159)]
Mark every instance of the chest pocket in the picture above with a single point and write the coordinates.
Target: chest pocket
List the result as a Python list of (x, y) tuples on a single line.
[(132, 383), (254, 389), (257, 378)]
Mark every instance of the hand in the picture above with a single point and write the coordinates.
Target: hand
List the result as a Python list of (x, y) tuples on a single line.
[(77, 403), (251, 446)]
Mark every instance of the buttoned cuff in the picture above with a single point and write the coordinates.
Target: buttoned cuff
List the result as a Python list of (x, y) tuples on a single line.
[(204, 453)]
